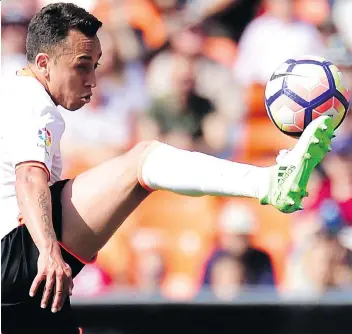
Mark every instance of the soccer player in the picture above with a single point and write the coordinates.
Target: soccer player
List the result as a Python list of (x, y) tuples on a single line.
[(51, 228)]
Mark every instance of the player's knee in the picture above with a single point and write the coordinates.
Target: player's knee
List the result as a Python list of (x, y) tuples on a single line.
[(140, 151), (142, 148)]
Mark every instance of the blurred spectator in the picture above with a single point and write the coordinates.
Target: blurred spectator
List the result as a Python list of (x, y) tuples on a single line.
[(149, 266), (338, 184), (315, 12), (149, 272), (341, 56), (226, 17), (271, 39), (342, 11), (154, 21), (324, 264), (227, 277), (338, 50), (12, 9), (145, 22), (237, 224), (182, 111), (13, 38), (330, 214), (198, 10), (212, 81)]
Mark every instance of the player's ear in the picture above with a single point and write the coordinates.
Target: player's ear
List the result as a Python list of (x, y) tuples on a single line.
[(42, 63)]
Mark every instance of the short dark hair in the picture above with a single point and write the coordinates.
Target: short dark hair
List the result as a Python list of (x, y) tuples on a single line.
[(51, 25)]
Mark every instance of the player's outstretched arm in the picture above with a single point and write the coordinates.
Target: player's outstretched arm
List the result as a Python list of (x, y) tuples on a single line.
[(34, 199)]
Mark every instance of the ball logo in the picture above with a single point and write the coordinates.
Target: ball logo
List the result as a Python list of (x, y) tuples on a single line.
[(45, 136)]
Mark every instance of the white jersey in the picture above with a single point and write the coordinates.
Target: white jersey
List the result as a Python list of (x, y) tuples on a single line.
[(31, 128)]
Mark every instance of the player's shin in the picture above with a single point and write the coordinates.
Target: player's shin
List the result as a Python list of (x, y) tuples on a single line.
[(195, 174)]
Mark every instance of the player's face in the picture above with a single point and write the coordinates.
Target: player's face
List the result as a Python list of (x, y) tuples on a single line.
[(72, 75)]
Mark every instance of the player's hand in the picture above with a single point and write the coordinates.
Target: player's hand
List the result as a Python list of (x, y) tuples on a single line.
[(58, 277)]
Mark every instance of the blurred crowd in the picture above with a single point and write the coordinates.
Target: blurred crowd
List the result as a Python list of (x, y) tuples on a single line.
[(192, 73)]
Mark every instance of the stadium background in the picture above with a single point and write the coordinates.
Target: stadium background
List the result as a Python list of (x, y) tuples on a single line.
[(192, 73)]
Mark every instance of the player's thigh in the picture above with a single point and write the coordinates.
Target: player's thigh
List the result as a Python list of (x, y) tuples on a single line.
[(97, 202)]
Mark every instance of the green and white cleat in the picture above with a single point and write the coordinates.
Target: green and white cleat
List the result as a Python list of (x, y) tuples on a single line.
[(290, 176)]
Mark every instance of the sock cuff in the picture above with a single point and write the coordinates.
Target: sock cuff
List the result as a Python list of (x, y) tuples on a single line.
[(142, 159)]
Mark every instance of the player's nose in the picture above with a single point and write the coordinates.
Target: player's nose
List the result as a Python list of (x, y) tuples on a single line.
[(92, 80)]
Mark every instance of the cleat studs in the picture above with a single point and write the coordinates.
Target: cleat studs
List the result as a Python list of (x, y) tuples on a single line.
[(329, 148), (307, 156), (305, 194), (301, 208), (333, 136), (291, 202), (323, 127), (316, 140)]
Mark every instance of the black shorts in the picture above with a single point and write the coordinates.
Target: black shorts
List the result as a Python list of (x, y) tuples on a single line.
[(20, 312)]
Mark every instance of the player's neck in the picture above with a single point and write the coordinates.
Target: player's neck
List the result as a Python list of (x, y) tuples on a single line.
[(28, 71)]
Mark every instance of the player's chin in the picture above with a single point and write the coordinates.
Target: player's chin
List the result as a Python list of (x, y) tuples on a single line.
[(77, 104)]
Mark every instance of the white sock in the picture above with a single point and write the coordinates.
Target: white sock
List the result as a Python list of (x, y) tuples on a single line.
[(195, 174)]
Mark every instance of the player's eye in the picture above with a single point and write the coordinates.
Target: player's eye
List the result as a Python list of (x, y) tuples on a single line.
[(84, 67)]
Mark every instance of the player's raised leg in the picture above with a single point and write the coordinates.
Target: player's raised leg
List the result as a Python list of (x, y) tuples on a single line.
[(97, 202)]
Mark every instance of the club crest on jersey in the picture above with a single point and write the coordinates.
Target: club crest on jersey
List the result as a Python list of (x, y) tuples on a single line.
[(44, 136)]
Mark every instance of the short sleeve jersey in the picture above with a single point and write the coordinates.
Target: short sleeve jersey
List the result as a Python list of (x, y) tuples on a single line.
[(31, 128)]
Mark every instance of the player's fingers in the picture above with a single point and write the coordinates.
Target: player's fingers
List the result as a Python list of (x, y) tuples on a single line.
[(70, 280), (50, 279), (70, 290), (68, 269), (68, 273), (59, 292), (36, 282)]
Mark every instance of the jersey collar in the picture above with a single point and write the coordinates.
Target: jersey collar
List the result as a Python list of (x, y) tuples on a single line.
[(25, 72)]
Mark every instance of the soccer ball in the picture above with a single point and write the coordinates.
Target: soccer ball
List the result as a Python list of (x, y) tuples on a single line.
[(301, 90)]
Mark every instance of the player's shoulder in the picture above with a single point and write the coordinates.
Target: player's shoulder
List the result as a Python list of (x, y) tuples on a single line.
[(26, 95), (27, 89)]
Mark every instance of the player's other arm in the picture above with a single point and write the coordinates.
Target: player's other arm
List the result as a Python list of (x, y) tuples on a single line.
[(34, 200)]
